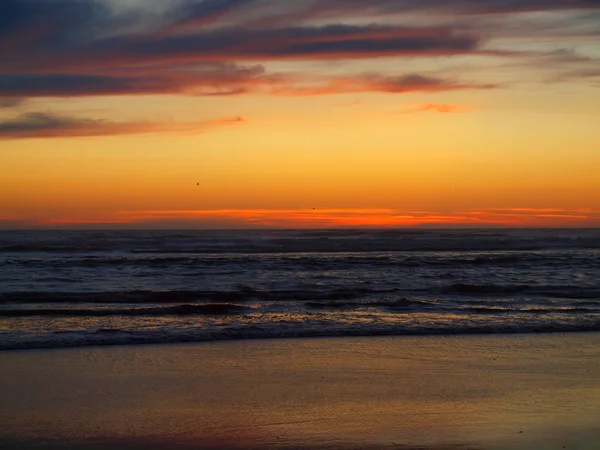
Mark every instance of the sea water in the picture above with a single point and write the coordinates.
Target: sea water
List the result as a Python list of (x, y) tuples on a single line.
[(116, 287)]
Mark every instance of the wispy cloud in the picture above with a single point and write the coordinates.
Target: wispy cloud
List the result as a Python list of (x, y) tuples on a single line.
[(42, 125), (70, 47), (197, 79), (11, 102), (224, 83), (435, 107), (375, 83), (336, 8), (332, 217)]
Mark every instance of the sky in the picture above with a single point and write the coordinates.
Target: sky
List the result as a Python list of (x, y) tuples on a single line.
[(298, 114)]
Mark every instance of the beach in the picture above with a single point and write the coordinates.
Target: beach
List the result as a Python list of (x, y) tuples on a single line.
[(521, 391)]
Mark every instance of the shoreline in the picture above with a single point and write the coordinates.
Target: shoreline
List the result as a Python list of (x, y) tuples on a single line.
[(592, 329), (508, 391)]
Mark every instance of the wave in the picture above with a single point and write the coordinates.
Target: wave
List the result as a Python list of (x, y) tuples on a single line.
[(244, 294), (18, 248), (472, 289), (115, 336), (402, 304), (201, 264), (290, 241), (269, 310), (393, 296), (178, 310), (529, 310), (567, 292)]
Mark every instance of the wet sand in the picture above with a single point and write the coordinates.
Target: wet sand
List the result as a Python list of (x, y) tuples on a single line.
[(438, 392)]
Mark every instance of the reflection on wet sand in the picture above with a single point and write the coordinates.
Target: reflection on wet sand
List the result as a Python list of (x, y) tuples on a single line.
[(439, 393)]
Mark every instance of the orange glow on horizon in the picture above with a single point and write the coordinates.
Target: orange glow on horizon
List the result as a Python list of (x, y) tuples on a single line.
[(330, 218)]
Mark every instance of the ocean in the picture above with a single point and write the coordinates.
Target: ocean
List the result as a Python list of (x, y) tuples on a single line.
[(85, 288)]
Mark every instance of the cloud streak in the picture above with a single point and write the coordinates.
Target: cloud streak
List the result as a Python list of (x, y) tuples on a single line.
[(224, 84), (300, 43), (333, 218), (433, 107), (11, 102), (65, 49), (202, 79), (42, 125), (74, 48), (376, 83)]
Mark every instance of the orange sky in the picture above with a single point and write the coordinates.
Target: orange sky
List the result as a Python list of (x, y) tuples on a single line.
[(223, 113)]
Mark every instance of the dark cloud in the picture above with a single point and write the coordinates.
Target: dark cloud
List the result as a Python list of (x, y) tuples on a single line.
[(41, 122), (43, 125), (230, 44), (70, 85), (334, 41), (194, 13), (510, 6), (224, 83), (285, 12), (74, 35), (336, 8), (244, 12), (52, 23), (198, 79), (414, 82), (84, 47)]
